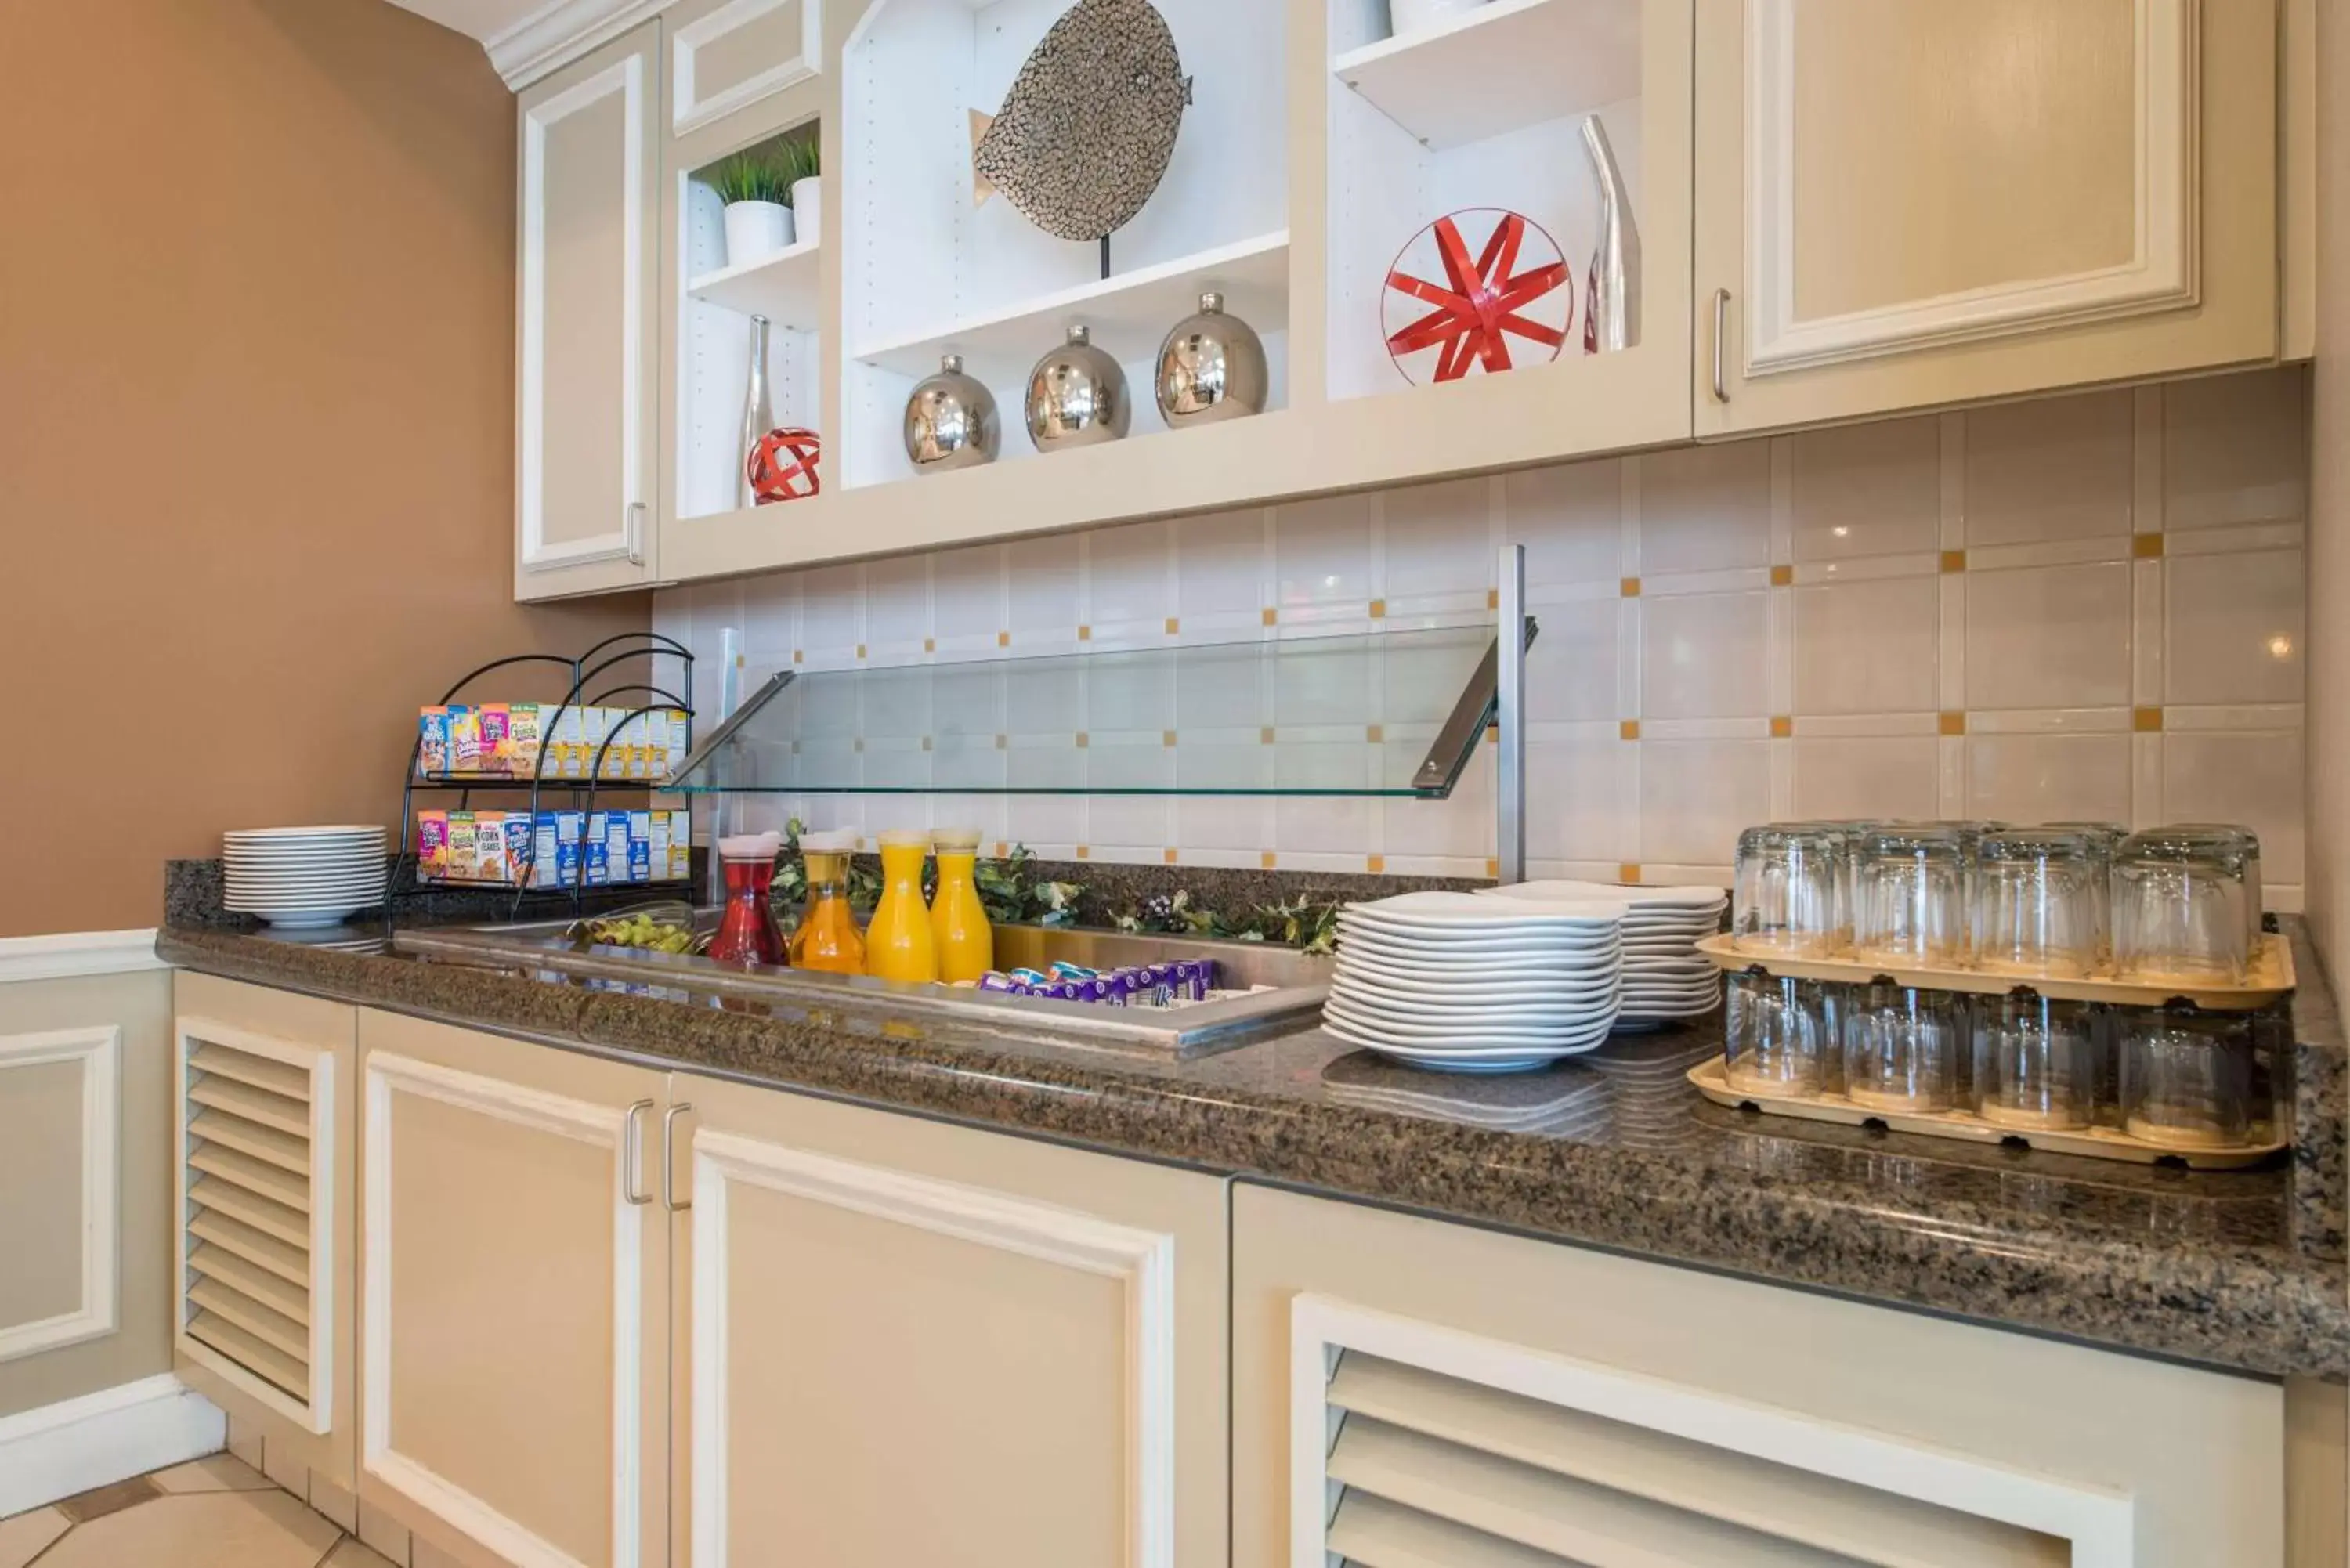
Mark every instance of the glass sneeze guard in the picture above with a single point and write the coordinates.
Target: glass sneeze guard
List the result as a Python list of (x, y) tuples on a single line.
[(1386, 714)]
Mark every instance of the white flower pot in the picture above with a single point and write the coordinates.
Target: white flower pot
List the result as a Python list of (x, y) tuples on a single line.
[(1412, 15), (756, 230), (808, 208)]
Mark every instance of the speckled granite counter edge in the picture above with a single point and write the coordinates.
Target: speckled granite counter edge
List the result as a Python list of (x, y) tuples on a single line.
[(2224, 1307)]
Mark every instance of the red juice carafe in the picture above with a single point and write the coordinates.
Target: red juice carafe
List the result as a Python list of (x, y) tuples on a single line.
[(748, 932)]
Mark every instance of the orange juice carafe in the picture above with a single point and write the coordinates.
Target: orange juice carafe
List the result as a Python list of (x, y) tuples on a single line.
[(898, 944), (958, 921), (826, 940)]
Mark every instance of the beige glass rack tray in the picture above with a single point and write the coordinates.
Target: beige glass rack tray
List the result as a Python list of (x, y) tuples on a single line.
[(1712, 1080), (2271, 977)]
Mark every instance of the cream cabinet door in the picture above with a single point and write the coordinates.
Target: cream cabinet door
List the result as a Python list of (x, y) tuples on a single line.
[(909, 1342), (265, 1320), (1903, 202), (1412, 1391), (513, 1299), (586, 322)]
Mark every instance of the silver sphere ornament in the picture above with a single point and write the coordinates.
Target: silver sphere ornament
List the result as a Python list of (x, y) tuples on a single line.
[(1077, 397), (1212, 369), (951, 421)]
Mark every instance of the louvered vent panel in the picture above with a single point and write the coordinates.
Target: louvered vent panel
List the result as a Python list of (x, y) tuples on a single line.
[(1428, 1471), (250, 1285)]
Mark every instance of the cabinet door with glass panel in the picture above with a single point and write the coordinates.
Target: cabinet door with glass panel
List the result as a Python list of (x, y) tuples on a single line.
[(1901, 202)]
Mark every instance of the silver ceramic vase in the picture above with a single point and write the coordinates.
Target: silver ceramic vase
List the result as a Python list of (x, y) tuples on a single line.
[(1077, 397), (951, 421), (1611, 298), (1212, 367), (758, 415)]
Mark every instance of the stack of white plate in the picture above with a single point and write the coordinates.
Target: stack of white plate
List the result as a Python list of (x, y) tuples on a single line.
[(304, 877), (1665, 977), (1465, 984)]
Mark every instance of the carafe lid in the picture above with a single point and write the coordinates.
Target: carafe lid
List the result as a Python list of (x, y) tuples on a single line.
[(751, 846)]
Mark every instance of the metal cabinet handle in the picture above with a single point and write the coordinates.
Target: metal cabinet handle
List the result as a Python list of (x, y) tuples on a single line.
[(668, 1159), (1721, 336), (633, 527), (631, 1146)]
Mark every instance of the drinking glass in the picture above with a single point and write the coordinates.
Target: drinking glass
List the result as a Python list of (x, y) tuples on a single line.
[(2178, 908), (1901, 1047), (2104, 839), (1777, 1039), (1785, 898), (2242, 841), (2034, 906), (2186, 1078), (2035, 1062), (1909, 884)]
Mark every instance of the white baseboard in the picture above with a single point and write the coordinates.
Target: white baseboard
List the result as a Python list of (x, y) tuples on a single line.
[(110, 1436)]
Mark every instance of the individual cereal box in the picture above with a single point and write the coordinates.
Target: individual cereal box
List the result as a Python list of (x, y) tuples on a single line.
[(497, 723), (680, 845), (433, 845), (556, 848), (432, 740), (523, 739), (605, 854), (678, 732), (638, 732), (458, 860), (464, 740), (641, 846), (518, 849), (611, 741), (489, 845)]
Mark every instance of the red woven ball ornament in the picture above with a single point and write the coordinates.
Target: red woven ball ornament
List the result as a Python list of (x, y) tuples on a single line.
[(1448, 310), (783, 465)]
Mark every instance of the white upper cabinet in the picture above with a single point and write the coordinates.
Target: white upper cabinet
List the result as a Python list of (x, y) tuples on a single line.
[(587, 350), (1902, 202)]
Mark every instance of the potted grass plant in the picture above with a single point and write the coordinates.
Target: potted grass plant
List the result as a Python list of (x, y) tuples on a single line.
[(801, 162), (757, 191)]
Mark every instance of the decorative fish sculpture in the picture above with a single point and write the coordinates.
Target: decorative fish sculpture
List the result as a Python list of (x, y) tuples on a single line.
[(1089, 126)]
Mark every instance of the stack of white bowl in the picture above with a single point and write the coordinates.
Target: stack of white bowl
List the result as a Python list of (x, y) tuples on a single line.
[(1665, 978), (305, 877), (1465, 984)]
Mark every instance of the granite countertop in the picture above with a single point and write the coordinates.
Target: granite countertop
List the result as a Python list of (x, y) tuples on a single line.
[(2239, 1270)]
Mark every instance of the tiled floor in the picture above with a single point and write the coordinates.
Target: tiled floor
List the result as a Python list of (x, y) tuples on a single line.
[(214, 1512)]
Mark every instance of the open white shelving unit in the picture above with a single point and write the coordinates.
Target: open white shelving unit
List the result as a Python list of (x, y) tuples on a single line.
[(1128, 313), (1485, 111), (1499, 68), (787, 287), (715, 306), (926, 270), (1315, 147)]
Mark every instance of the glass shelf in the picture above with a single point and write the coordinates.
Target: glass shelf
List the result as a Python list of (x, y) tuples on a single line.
[(1396, 714)]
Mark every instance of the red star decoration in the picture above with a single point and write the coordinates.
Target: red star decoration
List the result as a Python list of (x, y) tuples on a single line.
[(1477, 312)]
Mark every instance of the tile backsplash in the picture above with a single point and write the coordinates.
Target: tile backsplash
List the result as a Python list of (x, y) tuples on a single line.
[(2085, 607)]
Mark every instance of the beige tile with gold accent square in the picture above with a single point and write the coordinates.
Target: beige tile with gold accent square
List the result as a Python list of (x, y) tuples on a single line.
[(2235, 628), (1570, 519), (2041, 777), (2049, 637), (2056, 468), (1705, 655), (2235, 450), (1840, 778), (1695, 797), (1705, 508), (1865, 489), (1867, 647)]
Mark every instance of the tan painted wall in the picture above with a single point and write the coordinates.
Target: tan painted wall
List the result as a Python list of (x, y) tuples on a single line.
[(256, 425), (2329, 509)]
